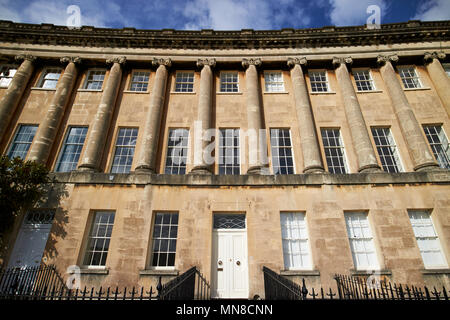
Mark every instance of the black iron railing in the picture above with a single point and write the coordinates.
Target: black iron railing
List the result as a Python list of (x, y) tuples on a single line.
[(30, 281), (277, 287), (188, 286), (44, 283)]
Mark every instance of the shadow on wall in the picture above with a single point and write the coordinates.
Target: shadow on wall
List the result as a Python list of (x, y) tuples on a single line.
[(56, 193)]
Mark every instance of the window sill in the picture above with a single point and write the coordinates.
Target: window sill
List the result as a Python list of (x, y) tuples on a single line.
[(300, 272), (435, 271), (43, 89), (131, 91), (99, 271), (231, 93), (324, 92), (159, 272), (414, 89), (369, 272), (370, 91), (89, 90), (176, 92), (281, 92)]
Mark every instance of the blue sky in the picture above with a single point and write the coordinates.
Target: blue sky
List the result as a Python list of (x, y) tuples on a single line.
[(222, 14)]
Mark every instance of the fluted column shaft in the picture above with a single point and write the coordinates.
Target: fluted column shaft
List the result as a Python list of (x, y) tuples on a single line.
[(10, 100), (367, 160), (312, 159), (411, 130), (97, 137), (149, 146), (46, 133), (204, 111), (254, 114), (440, 79)]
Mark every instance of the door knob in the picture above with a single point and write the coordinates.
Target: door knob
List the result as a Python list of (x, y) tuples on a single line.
[(219, 262), (238, 263)]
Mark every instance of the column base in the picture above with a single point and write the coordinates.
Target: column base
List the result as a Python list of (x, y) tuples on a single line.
[(144, 169), (87, 168), (428, 166), (314, 169), (257, 170), (370, 168), (201, 170)]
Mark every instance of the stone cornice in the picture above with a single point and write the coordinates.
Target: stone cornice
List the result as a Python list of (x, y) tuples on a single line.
[(407, 32)]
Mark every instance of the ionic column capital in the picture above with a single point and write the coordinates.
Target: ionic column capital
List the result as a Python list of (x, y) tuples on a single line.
[(206, 62), (382, 59), (66, 60), (162, 62), (429, 56), (337, 61), (251, 61), (22, 57), (120, 60), (291, 62)]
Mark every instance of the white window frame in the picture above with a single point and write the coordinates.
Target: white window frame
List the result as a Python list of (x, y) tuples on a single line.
[(237, 83), (223, 151), (420, 234), (86, 80), (289, 237), (416, 76), (90, 236), (117, 146), (63, 147), (184, 82), (169, 238), (9, 78), (134, 71), (341, 146), (13, 141), (393, 148), (272, 147), (359, 230), (44, 73), (267, 83), (169, 148), (369, 80), (327, 80), (445, 145)]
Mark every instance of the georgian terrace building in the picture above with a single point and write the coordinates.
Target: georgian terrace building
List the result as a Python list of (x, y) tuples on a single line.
[(329, 152)]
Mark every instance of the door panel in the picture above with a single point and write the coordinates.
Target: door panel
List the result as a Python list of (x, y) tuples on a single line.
[(230, 271)]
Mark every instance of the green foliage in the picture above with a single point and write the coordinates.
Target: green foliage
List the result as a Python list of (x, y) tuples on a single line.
[(22, 186)]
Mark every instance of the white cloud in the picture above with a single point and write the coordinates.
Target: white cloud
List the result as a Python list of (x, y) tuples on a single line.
[(433, 10), (242, 14), (350, 12)]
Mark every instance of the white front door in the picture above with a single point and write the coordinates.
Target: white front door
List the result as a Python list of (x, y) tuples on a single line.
[(31, 240), (229, 265)]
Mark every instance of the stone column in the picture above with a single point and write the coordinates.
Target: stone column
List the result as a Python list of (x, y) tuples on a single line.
[(100, 126), (46, 133), (367, 160), (10, 100), (149, 146), (312, 159), (204, 112), (440, 79), (254, 114), (410, 127)]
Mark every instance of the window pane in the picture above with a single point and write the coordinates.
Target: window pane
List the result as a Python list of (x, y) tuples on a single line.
[(184, 82), (164, 239), (282, 159), (409, 77), (229, 156), (71, 151), (361, 241), (318, 81), (6, 75), (439, 144), (177, 147), (94, 80), (334, 150), (139, 81), (387, 150), (273, 82), (99, 239), (294, 236), (123, 156), (229, 82), (22, 141)]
